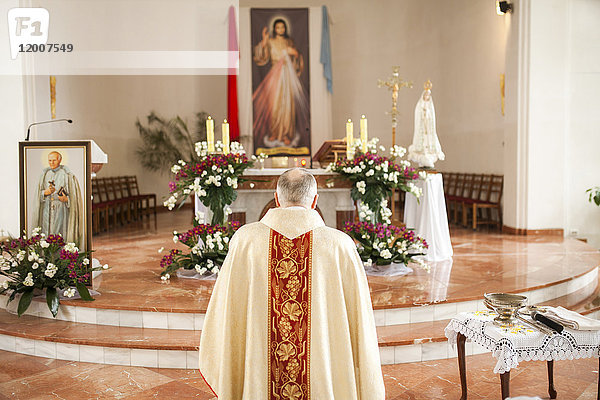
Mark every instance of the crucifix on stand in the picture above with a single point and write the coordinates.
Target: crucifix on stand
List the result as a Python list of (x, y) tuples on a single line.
[(394, 83)]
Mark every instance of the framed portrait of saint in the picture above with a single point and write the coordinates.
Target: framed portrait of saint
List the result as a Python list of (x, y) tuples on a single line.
[(280, 81), (55, 190)]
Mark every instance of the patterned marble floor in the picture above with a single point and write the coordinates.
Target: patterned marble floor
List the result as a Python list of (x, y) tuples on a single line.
[(482, 263), (35, 378)]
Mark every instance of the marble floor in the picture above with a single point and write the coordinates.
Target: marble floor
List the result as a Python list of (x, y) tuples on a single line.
[(36, 378), (488, 262), (483, 262)]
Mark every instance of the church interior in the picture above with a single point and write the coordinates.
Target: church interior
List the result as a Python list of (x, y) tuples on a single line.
[(147, 84)]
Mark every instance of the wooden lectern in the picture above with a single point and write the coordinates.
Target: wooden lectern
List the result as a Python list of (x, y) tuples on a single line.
[(331, 151)]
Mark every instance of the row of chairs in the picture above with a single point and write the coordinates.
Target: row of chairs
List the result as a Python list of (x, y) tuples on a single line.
[(474, 197), (118, 199)]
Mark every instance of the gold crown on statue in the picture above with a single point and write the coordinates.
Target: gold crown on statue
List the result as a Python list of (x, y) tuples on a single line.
[(428, 85)]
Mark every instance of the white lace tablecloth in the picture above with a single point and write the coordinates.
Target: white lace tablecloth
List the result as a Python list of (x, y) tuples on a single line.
[(514, 344)]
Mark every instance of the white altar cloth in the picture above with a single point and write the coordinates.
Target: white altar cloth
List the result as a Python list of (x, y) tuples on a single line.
[(429, 219)]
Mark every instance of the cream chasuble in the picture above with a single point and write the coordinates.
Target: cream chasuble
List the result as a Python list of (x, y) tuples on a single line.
[(290, 315)]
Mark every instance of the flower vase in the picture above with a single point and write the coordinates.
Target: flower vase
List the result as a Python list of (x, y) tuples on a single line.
[(392, 269)]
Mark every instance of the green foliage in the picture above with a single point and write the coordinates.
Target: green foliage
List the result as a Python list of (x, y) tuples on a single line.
[(84, 292), (24, 302), (594, 195), (43, 263), (52, 300), (164, 142)]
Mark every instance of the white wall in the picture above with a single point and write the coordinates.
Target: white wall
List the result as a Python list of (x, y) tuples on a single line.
[(105, 109), (458, 45), (547, 113), (551, 130), (583, 139), (12, 128)]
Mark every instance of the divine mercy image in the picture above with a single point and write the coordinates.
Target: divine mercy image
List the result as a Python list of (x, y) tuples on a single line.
[(280, 82)]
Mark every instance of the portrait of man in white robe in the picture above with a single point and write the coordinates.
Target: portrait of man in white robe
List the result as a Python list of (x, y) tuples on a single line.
[(58, 205)]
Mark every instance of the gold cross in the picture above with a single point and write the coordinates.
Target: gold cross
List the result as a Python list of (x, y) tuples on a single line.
[(394, 83)]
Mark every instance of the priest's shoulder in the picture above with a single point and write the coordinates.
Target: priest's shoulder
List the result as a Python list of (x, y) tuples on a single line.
[(249, 231), (333, 236)]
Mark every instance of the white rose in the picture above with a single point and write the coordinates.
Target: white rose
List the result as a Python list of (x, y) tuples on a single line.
[(386, 254), (28, 281)]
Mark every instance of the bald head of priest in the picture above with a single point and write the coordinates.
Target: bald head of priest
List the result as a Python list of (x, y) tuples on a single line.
[(296, 188), (290, 315)]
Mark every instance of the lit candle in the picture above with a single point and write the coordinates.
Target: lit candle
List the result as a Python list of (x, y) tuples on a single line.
[(225, 131), (363, 133), (349, 139), (210, 134)]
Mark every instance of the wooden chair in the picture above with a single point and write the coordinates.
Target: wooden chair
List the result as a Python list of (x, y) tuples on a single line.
[(449, 188), (142, 201), (455, 199), (472, 194), (99, 208), (462, 193), (492, 200), (108, 195)]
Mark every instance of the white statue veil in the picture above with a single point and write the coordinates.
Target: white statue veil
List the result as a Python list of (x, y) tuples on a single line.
[(425, 148)]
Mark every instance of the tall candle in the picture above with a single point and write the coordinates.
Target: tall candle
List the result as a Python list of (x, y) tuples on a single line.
[(225, 131), (349, 139), (210, 134), (363, 133)]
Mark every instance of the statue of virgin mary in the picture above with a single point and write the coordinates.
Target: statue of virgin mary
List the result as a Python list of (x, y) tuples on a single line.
[(425, 149)]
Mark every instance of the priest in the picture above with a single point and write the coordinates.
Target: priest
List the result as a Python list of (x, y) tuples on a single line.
[(290, 315)]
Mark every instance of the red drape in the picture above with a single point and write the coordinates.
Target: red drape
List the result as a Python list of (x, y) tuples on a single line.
[(232, 93)]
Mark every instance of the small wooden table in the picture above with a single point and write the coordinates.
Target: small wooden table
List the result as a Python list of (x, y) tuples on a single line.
[(479, 328), (504, 377)]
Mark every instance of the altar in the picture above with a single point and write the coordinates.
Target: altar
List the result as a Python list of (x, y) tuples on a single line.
[(255, 197)]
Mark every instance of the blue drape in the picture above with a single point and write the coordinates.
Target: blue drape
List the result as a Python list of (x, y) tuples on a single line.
[(326, 50)]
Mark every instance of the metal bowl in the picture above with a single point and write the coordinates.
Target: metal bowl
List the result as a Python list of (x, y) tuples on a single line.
[(505, 305)]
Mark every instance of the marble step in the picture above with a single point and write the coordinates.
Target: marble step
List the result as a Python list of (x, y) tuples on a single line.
[(146, 316), (162, 348)]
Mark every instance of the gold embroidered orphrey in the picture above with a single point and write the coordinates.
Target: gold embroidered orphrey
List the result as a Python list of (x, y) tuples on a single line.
[(290, 271)]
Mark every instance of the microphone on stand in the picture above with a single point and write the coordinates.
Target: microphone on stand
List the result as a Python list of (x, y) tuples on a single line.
[(46, 122)]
